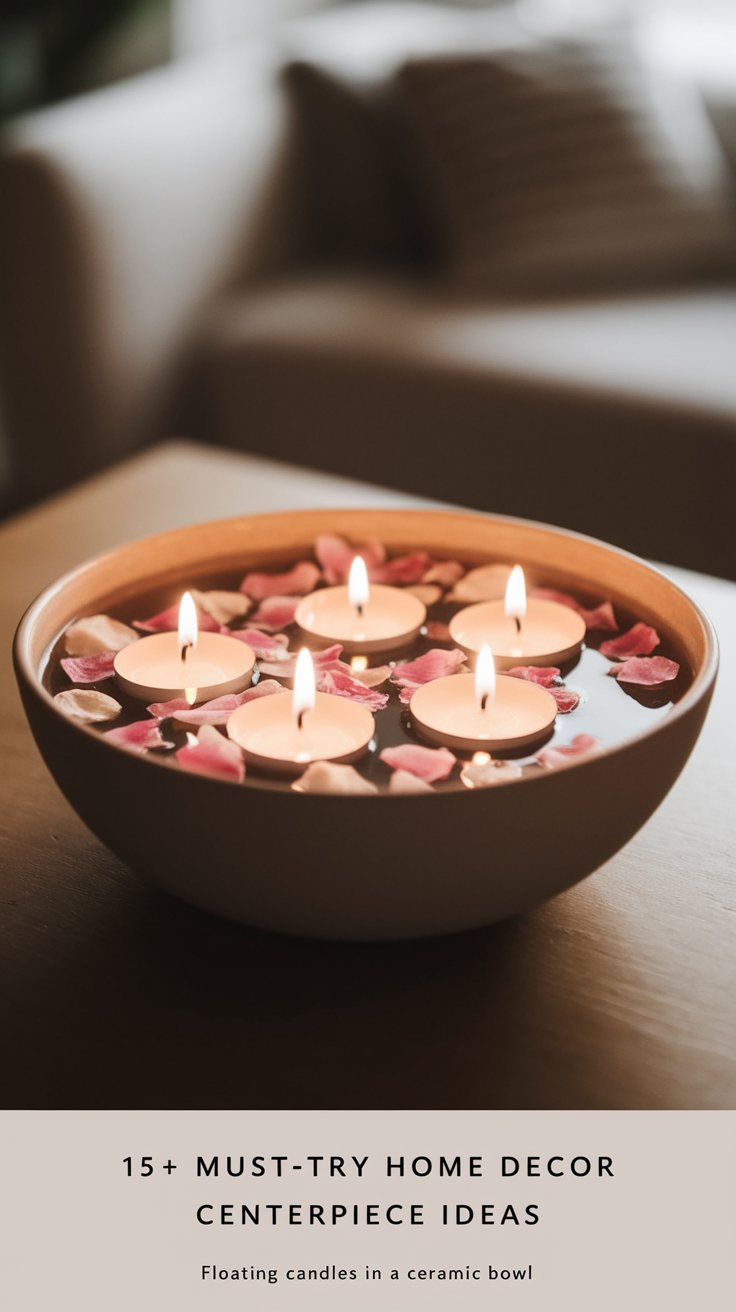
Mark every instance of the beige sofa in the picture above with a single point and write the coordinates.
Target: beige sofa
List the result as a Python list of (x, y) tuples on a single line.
[(160, 271)]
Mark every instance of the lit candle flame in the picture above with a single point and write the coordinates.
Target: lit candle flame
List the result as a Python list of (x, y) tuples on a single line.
[(190, 696), (485, 677), (359, 590), (359, 663), (188, 626), (515, 604), (305, 691)]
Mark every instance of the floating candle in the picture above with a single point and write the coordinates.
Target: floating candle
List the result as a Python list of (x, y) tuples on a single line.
[(520, 631), (195, 666), (284, 734), (363, 617), (480, 711)]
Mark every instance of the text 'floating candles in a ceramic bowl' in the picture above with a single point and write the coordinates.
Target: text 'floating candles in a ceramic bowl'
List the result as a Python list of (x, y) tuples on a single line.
[(187, 664), (285, 734), (364, 617), (483, 710), (520, 631)]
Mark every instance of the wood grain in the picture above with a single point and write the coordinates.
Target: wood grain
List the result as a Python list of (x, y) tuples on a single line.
[(621, 993)]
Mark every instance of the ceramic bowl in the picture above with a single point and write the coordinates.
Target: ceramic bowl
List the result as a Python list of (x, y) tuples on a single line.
[(382, 867)]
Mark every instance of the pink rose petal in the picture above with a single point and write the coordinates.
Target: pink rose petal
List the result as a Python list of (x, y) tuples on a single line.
[(584, 744), (95, 634), (218, 710), (327, 659), (272, 647), (489, 773), (373, 553), (164, 710), (427, 763), (427, 593), (222, 606), (89, 669), (647, 671), (167, 621), (300, 580), (403, 782), (327, 777), (406, 692), (212, 755), (276, 612), (341, 684), (335, 555), (547, 677), (544, 675), (566, 699), (141, 736), (601, 616), (433, 664), (484, 583), (444, 572), (372, 677), (640, 640), (401, 569), (88, 705), (264, 688)]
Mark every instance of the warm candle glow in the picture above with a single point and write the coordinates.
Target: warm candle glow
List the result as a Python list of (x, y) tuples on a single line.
[(521, 630), (188, 626), (305, 689), (485, 677), (361, 616), (359, 591), (481, 758), (515, 604), (186, 664)]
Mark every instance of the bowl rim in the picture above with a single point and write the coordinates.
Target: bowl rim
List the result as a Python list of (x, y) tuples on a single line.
[(702, 683)]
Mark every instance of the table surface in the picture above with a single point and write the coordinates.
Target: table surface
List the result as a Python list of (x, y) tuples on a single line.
[(621, 993)]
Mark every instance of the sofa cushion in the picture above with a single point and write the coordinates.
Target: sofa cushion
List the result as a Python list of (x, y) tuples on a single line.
[(340, 74), (669, 347), (612, 415), (564, 163), (355, 194)]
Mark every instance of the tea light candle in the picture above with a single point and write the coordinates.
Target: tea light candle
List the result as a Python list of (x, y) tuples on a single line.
[(479, 710), (189, 664), (364, 617), (284, 734), (520, 632)]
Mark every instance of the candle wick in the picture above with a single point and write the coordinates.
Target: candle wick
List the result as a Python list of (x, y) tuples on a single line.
[(185, 649), (359, 609), (300, 720), (517, 622), (484, 701)]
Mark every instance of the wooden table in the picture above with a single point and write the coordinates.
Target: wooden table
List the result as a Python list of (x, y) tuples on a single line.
[(621, 993)]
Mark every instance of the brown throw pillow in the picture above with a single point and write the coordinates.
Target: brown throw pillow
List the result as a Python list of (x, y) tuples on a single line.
[(340, 71), (358, 195), (566, 163)]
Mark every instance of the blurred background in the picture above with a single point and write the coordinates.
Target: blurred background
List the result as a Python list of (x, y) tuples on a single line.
[(483, 252)]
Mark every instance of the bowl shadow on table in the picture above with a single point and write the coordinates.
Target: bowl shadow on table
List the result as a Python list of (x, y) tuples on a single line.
[(146, 1002)]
